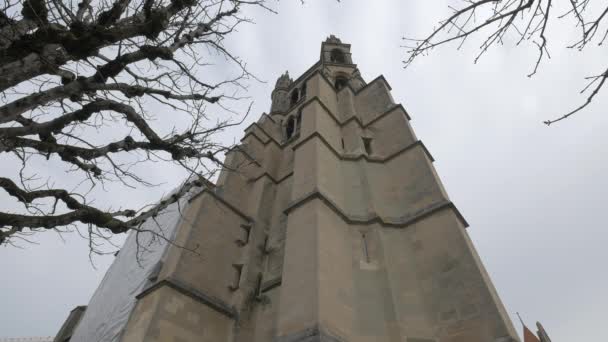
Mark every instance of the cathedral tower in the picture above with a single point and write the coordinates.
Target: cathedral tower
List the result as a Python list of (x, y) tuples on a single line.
[(330, 225)]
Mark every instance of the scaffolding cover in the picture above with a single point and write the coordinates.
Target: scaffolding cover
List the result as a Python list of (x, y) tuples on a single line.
[(111, 305)]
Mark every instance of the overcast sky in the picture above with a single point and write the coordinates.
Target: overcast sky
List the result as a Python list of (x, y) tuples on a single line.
[(533, 195)]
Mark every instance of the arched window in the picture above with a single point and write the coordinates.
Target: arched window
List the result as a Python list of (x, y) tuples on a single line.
[(337, 56), (295, 96), (291, 125), (340, 82)]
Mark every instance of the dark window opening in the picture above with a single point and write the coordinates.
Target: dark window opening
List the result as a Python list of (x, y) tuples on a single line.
[(266, 246), (303, 91), (299, 119), (365, 247), (340, 82), (258, 286), (337, 56), (367, 144), (295, 96), (245, 240), (290, 127), (238, 269)]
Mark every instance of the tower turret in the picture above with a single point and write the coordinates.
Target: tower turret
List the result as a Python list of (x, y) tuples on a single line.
[(338, 64), (280, 97), (333, 51)]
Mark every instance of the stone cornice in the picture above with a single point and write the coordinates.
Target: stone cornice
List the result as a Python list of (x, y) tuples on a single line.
[(224, 202), (336, 44), (346, 65), (245, 153), (316, 99), (270, 137), (305, 76), (275, 181), (354, 117), (346, 157), (259, 127), (363, 156), (208, 300), (256, 122), (313, 334), (324, 77), (271, 284), (341, 156), (401, 222), (374, 218), (356, 92)]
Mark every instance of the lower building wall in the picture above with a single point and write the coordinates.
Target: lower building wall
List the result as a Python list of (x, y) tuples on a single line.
[(257, 321), (298, 303), (440, 291), (422, 283), (167, 315), (140, 319)]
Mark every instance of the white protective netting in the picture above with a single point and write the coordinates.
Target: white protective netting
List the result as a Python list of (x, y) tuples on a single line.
[(111, 305)]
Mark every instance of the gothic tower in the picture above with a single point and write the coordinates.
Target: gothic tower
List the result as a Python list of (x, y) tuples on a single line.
[(330, 224)]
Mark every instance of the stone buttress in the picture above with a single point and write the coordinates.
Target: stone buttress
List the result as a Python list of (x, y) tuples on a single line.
[(331, 225)]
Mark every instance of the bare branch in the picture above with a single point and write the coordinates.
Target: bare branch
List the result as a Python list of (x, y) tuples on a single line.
[(98, 91), (500, 17)]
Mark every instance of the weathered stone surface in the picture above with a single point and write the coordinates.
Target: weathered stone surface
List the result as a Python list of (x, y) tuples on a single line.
[(322, 235)]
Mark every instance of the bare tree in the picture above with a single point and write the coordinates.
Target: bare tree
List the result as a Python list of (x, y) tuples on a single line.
[(529, 21), (81, 83)]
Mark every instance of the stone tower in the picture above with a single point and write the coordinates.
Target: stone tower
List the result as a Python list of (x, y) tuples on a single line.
[(331, 225)]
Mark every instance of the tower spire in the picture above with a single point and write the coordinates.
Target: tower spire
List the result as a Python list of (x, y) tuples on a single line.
[(279, 96), (284, 81), (333, 39)]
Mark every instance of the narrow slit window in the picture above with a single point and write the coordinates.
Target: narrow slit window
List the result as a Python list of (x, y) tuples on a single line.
[(245, 240), (265, 246), (290, 127), (295, 97), (258, 286), (367, 144), (238, 268), (365, 247), (299, 120), (343, 143), (303, 91)]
